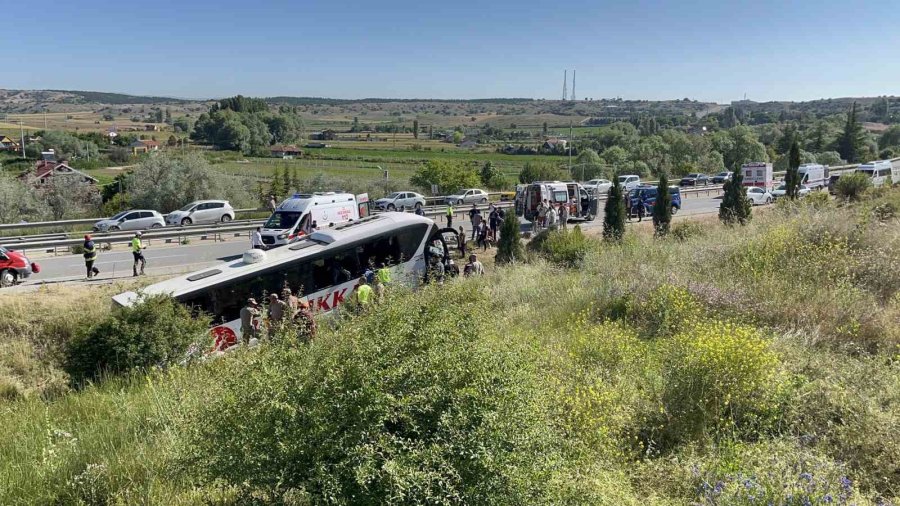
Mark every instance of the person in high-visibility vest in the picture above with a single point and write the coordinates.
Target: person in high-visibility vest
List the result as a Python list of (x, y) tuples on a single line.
[(137, 251), (383, 274), (90, 255), (449, 215), (363, 292)]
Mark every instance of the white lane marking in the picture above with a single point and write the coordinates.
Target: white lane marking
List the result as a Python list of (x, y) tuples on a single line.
[(124, 259)]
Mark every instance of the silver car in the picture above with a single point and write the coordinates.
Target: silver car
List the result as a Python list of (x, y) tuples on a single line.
[(401, 200), (202, 211), (469, 196), (598, 187), (135, 219)]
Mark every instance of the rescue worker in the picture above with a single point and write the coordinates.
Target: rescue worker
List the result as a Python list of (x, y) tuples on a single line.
[(542, 215), (362, 293), (449, 215), (383, 275), (551, 217), (90, 255), (256, 241), (437, 270), (137, 251), (305, 323), (248, 314), (494, 223), (462, 242), (292, 301), (563, 215), (277, 310)]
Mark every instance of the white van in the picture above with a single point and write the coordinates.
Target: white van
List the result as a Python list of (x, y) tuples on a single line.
[(880, 172), (758, 174), (813, 175), (299, 215)]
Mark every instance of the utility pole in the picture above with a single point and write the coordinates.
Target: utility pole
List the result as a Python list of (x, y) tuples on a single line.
[(22, 128), (573, 85)]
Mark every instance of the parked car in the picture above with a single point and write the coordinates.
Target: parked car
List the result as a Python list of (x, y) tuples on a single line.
[(722, 177), (629, 181), (646, 194), (15, 266), (781, 191), (759, 196), (695, 179), (202, 211), (135, 219), (400, 200), (468, 196), (598, 187)]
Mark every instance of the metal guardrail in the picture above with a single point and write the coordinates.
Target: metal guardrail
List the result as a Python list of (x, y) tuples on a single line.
[(84, 221)]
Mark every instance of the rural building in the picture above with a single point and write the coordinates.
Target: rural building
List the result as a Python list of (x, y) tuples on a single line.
[(143, 146), (285, 151), (324, 135), (553, 143), (468, 143), (45, 170), (7, 144)]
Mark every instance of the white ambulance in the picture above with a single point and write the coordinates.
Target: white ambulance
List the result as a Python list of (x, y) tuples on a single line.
[(758, 174), (303, 213)]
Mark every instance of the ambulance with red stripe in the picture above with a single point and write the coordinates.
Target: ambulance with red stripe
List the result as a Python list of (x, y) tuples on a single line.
[(299, 215), (323, 267)]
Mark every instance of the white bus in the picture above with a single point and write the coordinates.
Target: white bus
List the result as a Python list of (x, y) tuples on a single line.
[(813, 175), (295, 216), (325, 265), (879, 171)]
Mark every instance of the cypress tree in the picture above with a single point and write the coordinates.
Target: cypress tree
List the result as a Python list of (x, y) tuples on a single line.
[(276, 186), (851, 139), (735, 208), (792, 176), (662, 208), (614, 213), (509, 247)]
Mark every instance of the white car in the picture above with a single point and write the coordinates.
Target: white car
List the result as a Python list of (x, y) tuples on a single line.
[(401, 200), (202, 211), (759, 196), (599, 187), (629, 181), (468, 196), (135, 219), (781, 191)]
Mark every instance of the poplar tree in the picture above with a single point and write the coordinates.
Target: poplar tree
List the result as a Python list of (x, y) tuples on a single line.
[(792, 176)]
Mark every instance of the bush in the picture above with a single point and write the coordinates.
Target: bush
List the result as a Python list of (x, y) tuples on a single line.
[(419, 401), (686, 229), (157, 331), (665, 311), (717, 382), (509, 248), (561, 247), (852, 186)]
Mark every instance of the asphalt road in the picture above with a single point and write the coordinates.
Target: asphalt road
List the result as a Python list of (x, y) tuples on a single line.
[(170, 259)]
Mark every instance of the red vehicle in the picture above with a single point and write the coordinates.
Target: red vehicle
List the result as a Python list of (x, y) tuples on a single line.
[(15, 266)]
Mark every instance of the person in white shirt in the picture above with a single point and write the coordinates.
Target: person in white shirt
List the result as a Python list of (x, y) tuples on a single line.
[(551, 217), (256, 241)]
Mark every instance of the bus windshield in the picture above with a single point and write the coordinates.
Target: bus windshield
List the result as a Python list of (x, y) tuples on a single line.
[(282, 220)]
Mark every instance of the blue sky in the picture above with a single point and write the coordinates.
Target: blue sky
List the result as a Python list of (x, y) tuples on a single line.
[(707, 50)]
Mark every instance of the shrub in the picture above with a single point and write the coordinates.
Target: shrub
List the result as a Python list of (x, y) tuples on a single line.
[(418, 401), (509, 248), (155, 332), (666, 310), (852, 186), (614, 213), (561, 247), (687, 229), (717, 381)]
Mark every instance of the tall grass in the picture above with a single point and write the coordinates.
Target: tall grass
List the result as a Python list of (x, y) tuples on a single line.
[(751, 365)]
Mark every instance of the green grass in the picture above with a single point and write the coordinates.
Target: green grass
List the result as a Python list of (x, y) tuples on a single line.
[(730, 366)]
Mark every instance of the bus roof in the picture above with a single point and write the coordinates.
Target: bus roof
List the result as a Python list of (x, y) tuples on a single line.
[(211, 276)]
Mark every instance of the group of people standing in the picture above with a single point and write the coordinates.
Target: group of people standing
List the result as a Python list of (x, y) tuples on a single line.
[(484, 230), (89, 252), (280, 311), (552, 215)]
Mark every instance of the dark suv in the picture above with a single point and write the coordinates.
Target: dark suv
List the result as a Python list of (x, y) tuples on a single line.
[(647, 196)]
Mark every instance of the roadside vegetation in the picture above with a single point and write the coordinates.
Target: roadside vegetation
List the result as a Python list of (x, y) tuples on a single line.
[(749, 364)]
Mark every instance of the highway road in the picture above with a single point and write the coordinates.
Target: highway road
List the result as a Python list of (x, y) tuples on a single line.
[(171, 259)]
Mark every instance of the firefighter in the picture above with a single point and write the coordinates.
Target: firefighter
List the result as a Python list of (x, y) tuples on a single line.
[(90, 255)]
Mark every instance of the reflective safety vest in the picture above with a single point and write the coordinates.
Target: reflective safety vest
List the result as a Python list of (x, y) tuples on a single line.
[(383, 275), (136, 245), (90, 251), (364, 294), (449, 210)]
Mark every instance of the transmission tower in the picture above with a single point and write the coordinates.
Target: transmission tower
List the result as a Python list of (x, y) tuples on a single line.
[(573, 85), (565, 83)]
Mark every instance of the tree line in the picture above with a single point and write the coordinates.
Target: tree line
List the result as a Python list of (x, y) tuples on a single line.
[(247, 125)]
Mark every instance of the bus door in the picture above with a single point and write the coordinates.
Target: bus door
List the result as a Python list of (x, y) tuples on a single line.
[(440, 244)]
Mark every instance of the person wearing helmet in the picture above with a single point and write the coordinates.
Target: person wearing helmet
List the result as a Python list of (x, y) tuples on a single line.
[(90, 256), (137, 251)]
